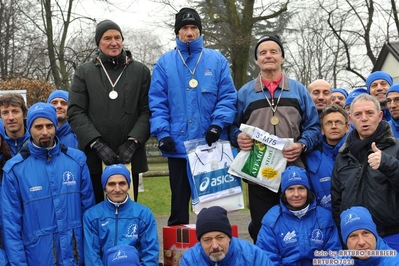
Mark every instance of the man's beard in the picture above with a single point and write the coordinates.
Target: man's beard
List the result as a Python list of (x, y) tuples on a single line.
[(217, 258), (45, 144)]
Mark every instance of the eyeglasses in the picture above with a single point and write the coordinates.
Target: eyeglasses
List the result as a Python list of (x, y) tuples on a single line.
[(336, 123), (394, 100), (341, 98)]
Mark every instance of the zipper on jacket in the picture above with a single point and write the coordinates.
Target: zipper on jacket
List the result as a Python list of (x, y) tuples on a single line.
[(116, 226), (188, 48)]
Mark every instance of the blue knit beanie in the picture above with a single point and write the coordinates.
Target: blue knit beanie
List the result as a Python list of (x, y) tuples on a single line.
[(393, 88), (115, 169), (123, 255), (294, 175), (212, 219), (58, 94), (341, 90), (41, 110), (378, 75), (353, 94), (356, 218)]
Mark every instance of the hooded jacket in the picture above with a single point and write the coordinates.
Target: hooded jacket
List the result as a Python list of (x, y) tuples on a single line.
[(45, 192), (106, 226), (185, 113), (241, 252), (357, 184)]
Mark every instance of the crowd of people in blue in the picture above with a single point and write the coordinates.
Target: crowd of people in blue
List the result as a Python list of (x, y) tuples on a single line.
[(66, 165)]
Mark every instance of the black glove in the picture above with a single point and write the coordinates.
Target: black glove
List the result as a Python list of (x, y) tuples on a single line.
[(104, 152), (213, 134), (126, 151), (167, 144)]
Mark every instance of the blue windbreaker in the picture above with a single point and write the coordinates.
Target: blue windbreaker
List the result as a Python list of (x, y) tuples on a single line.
[(394, 126), (289, 240), (44, 195), (67, 136), (185, 113), (106, 226), (320, 164), (17, 144), (241, 252)]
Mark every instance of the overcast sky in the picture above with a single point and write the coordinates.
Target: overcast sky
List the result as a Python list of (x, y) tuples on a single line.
[(139, 15)]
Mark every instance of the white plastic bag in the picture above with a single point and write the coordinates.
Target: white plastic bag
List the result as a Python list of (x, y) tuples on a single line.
[(263, 164), (211, 184)]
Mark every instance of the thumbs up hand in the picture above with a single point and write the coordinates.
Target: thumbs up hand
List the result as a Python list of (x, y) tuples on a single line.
[(374, 159)]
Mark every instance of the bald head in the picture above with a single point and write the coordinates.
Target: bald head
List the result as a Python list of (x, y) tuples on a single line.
[(320, 90)]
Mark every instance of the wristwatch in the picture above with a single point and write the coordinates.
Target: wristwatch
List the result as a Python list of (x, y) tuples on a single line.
[(304, 148)]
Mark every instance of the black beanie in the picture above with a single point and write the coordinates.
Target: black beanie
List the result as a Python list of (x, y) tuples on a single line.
[(269, 37), (187, 16), (103, 26), (212, 219)]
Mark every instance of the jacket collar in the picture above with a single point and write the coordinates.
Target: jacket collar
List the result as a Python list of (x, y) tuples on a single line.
[(259, 87), (385, 140), (189, 48), (44, 153)]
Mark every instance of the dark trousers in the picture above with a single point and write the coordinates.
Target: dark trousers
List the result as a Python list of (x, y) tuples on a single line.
[(181, 192), (261, 200), (99, 191)]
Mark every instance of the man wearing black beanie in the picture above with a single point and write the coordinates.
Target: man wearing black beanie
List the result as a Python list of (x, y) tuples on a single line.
[(217, 246), (192, 96), (108, 107), (281, 106)]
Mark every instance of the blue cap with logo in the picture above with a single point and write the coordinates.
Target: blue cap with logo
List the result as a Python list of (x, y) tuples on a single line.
[(41, 110), (356, 218), (123, 255), (294, 175)]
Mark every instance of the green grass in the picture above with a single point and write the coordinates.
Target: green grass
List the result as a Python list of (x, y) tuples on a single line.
[(156, 194)]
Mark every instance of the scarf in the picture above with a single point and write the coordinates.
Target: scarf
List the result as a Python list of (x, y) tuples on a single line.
[(360, 147)]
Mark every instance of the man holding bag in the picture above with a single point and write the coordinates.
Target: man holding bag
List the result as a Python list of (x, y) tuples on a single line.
[(279, 106)]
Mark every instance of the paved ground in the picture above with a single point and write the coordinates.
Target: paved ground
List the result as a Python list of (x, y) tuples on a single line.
[(239, 218)]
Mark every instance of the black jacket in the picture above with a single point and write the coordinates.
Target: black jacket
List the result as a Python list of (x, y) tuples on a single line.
[(92, 114), (357, 184)]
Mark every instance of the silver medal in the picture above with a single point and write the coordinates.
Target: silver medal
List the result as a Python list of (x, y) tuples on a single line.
[(113, 95)]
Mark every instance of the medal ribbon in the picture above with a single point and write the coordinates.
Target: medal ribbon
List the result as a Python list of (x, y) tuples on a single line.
[(267, 99), (113, 84), (184, 62)]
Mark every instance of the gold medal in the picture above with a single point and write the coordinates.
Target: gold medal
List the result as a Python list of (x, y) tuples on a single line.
[(113, 95), (274, 120), (193, 83)]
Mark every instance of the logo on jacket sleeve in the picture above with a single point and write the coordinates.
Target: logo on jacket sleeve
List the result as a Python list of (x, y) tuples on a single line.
[(290, 237), (68, 178), (132, 231), (326, 201)]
